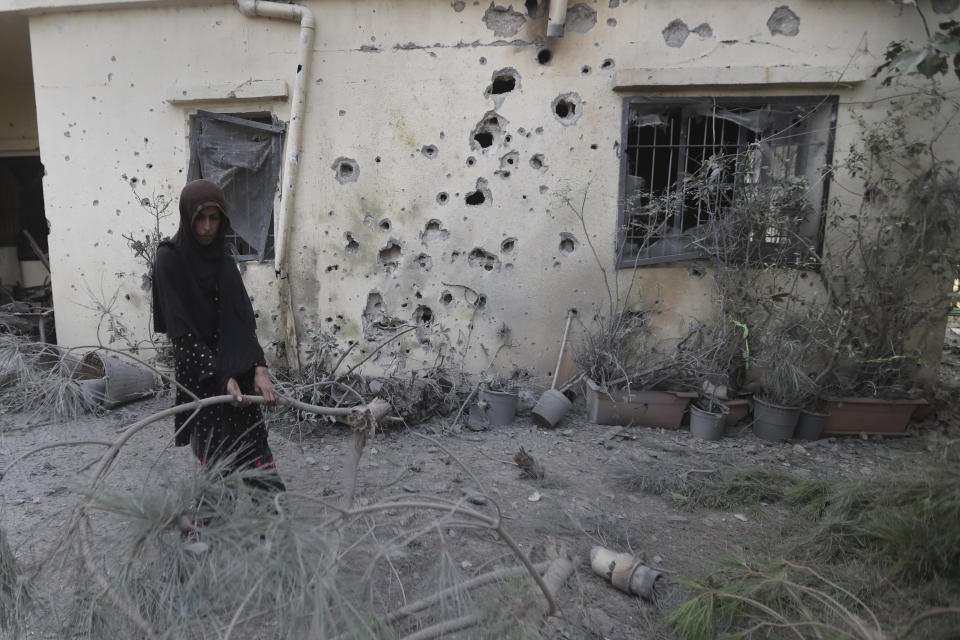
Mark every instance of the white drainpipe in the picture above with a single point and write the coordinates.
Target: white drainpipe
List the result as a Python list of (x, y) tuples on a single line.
[(556, 18), (291, 163)]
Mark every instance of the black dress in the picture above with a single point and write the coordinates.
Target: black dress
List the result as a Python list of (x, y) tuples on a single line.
[(199, 300)]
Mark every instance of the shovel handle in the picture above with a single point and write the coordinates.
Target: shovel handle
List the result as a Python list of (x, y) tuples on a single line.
[(563, 346)]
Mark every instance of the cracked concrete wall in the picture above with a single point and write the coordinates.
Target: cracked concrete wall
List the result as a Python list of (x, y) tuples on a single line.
[(410, 194)]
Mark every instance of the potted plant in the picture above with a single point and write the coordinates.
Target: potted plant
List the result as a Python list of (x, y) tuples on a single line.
[(497, 399), (892, 271), (629, 382)]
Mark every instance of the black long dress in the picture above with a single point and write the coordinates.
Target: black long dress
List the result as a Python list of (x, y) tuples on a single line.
[(201, 303)]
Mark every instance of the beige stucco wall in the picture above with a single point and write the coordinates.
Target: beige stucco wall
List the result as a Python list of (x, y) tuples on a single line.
[(387, 79)]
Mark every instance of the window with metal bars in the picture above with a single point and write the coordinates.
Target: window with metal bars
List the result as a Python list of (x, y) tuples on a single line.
[(241, 153), (696, 171)]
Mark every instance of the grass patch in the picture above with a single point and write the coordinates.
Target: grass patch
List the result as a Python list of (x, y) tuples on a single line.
[(878, 558), (711, 488)]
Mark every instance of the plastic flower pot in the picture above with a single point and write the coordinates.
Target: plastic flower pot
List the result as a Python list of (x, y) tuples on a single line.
[(550, 408), (493, 409), (810, 425), (123, 381), (774, 422), (707, 425)]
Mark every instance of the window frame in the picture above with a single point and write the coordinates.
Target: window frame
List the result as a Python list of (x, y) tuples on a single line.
[(260, 119), (830, 101)]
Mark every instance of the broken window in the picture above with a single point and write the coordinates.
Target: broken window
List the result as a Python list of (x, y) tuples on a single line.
[(739, 178), (241, 153)]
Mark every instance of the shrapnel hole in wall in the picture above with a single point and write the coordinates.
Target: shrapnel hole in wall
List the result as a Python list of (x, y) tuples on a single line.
[(429, 151), (352, 247), (384, 224)]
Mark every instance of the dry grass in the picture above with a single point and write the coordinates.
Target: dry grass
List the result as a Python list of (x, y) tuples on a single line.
[(36, 379)]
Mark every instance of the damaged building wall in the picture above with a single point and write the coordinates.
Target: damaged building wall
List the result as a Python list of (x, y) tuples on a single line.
[(443, 143), (18, 112)]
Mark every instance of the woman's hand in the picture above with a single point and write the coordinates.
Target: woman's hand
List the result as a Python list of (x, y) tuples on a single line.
[(264, 386), (233, 389)]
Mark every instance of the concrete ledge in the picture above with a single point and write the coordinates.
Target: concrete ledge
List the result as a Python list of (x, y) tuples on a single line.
[(627, 79), (211, 92), (56, 6)]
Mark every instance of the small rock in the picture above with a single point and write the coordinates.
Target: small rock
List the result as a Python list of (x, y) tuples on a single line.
[(567, 432), (657, 559), (466, 564), (798, 448), (311, 460), (373, 451), (408, 488), (328, 447), (750, 449), (473, 497), (325, 467), (534, 497), (740, 517)]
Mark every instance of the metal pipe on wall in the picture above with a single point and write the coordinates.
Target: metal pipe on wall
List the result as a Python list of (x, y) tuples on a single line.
[(291, 163), (556, 18)]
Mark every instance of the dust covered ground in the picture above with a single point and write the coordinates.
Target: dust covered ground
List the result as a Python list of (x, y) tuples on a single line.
[(577, 503)]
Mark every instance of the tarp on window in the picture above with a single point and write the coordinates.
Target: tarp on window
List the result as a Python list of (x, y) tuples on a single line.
[(243, 157)]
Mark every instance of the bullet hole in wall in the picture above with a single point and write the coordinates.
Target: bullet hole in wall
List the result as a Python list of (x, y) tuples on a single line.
[(480, 196), (429, 151), (377, 159), (389, 256), (510, 160), (385, 224), (544, 188), (696, 273), (446, 298), (332, 267), (482, 258), (458, 5), (423, 314), (567, 107), (593, 146), (544, 56), (442, 198), (346, 170), (607, 64), (509, 246), (537, 162), (471, 161), (611, 22), (480, 302), (502, 174), (454, 255), (504, 81), (482, 61), (488, 133), (568, 243), (585, 70), (424, 262)]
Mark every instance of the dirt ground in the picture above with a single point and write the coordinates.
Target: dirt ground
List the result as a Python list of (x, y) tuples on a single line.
[(576, 503)]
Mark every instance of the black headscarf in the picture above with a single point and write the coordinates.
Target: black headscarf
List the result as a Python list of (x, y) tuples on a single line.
[(189, 277)]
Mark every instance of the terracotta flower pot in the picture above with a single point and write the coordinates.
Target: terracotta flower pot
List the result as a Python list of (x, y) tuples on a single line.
[(853, 416)]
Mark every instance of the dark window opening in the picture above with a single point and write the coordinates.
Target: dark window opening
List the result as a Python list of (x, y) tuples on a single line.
[(692, 169), (21, 206), (243, 154)]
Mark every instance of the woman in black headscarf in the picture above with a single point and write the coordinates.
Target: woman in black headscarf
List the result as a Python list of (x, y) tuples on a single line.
[(200, 302)]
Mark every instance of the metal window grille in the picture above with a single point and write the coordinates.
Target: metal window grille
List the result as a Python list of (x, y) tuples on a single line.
[(739, 144)]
